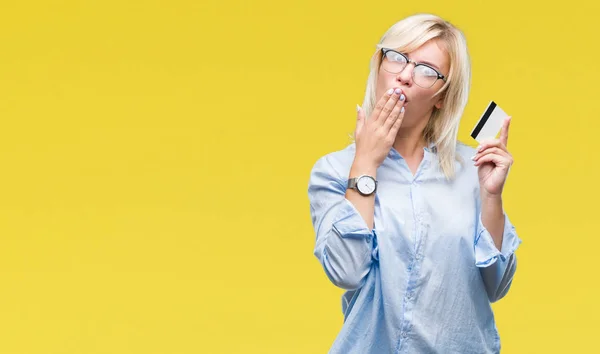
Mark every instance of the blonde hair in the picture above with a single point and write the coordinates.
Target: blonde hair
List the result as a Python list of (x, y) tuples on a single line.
[(409, 34)]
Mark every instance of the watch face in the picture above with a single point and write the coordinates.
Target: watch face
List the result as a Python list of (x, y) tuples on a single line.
[(366, 185)]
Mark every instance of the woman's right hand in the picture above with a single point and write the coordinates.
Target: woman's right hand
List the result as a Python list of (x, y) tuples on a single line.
[(375, 136)]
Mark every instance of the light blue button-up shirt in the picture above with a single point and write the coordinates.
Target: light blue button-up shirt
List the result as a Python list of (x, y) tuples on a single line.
[(423, 279)]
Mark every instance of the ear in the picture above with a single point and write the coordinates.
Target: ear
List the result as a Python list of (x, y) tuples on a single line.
[(439, 103), (440, 100)]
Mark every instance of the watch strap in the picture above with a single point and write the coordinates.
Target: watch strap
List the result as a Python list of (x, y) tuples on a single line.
[(352, 183)]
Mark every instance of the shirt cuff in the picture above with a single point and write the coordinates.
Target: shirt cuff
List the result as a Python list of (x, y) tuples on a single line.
[(350, 224), (486, 252)]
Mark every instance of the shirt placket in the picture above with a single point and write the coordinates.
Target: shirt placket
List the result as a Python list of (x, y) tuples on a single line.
[(416, 257)]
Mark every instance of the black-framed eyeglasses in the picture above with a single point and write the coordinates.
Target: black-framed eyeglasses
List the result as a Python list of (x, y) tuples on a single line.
[(423, 75)]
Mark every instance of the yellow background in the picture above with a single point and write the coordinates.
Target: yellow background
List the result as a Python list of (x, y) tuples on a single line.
[(155, 157)]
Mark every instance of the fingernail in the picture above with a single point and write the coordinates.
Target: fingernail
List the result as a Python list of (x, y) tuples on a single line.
[(390, 91), (473, 157), (398, 91), (479, 148), (402, 110), (357, 108), (402, 97)]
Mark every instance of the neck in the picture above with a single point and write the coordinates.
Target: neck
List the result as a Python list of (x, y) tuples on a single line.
[(410, 142)]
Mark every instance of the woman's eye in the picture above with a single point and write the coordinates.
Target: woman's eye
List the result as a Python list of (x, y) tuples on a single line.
[(427, 71), (397, 57)]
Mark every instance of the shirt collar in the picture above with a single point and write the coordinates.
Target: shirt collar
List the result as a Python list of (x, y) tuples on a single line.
[(431, 148)]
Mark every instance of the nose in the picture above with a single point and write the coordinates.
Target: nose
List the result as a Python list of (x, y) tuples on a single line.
[(405, 76)]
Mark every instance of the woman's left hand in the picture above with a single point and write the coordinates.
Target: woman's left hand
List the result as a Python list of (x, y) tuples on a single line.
[(493, 162)]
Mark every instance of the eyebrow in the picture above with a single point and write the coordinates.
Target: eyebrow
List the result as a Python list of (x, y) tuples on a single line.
[(419, 61), (428, 63)]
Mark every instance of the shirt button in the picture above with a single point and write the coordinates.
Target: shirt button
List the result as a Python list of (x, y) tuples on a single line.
[(404, 335)]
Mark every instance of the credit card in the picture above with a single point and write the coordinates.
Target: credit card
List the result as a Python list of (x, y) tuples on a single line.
[(490, 123)]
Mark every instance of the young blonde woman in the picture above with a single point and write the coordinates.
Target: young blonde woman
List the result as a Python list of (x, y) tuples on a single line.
[(408, 219)]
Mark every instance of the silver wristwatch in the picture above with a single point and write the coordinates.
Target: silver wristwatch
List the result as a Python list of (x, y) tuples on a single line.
[(365, 184)]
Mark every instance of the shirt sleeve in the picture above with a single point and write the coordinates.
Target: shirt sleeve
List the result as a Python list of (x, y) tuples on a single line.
[(344, 243), (497, 267)]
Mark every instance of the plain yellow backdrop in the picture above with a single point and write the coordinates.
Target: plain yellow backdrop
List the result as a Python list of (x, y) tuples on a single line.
[(155, 157)]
